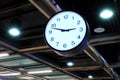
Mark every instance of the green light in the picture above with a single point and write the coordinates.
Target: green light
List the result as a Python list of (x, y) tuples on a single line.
[(106, 14), (14, 31)]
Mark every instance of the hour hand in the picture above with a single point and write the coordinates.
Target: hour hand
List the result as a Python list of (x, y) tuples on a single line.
[(67, 30), (64, 30), (71, 29)]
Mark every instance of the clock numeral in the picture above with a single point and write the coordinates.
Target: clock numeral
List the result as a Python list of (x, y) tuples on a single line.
[(57, 43), (81, 29), (78, 37), (58, 19), (53, 25), (50, 31), (78, 22), (72, 43), (65, 16), (72, 17), (65, 45), (52, 39)]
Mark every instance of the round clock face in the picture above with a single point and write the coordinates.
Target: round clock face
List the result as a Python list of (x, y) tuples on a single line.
[(65, 31)]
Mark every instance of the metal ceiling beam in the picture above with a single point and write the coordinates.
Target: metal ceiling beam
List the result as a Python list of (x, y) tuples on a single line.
[(100, 78), (104, 39), (7, 69), (95, 56), (94, 41), (8, 46), (44, 10), (39, 48), (52, 4), (85, 68), (41, 60), (15, 10), (89, 68), (45, 7)]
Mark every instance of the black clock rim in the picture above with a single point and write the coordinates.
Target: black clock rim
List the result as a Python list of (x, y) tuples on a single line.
[(67, 52)]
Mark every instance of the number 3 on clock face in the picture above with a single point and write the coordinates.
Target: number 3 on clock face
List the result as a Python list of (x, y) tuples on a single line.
[(65, 31)]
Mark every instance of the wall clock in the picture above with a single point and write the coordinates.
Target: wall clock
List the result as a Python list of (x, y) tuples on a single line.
[(66, 33)]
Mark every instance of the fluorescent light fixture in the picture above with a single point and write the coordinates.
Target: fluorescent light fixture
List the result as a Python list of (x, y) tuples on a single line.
[(27, 77), (60, 77), (39, 72), (106, 13), (70, 63), (2, 54), (14, 31), (3, 72), (11, 74)]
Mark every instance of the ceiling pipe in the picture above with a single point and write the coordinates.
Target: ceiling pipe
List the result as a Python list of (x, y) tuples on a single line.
[(95, 56)]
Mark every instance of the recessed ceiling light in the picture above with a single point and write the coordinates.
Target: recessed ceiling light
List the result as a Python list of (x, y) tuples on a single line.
[(99, 30), (90, 76), (106, 14), (70, 63), (14, 31)]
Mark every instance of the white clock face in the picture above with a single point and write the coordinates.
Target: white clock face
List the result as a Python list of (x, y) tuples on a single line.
[(65, 31)]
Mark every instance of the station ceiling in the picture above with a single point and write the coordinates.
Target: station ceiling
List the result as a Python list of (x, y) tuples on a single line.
[(29, 52)]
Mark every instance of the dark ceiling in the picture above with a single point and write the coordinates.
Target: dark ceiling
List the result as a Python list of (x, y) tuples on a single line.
[(102, 56)]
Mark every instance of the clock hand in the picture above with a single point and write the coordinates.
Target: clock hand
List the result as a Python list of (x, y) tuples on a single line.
[(71, 29), (68, 29), (64, 30), (57, 29)]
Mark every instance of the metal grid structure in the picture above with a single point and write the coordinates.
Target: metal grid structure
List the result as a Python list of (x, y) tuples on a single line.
[(30, 52)]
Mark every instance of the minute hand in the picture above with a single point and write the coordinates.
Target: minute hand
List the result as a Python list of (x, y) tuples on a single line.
[(64, 30)]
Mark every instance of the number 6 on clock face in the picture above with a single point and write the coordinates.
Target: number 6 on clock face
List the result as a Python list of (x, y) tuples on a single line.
[(65, 31)]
